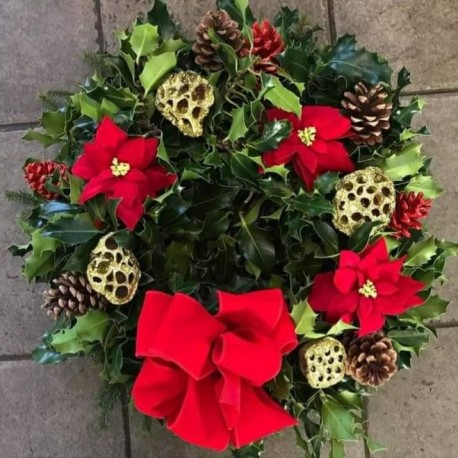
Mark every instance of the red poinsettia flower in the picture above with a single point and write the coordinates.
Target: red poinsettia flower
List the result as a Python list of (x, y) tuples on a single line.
[(204, 374), (122, 167), (366, 286), (410, 208), (267, 45), (313, 145)]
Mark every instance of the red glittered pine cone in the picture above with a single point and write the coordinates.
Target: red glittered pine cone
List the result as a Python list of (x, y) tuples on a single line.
[(410, 207), (37, 173), (267, 45)]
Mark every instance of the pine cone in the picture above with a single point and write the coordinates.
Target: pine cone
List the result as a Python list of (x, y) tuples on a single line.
[(37, 173), (410, 207), (72, 295), (267, 45), (369, 113), (226, 28), (371, 360)]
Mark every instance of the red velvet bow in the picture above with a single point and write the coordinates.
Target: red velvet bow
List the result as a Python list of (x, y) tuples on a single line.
[(204, 374)]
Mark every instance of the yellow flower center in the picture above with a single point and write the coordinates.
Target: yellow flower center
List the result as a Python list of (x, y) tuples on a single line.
[(368, 290), (307, 135), (119, 169)]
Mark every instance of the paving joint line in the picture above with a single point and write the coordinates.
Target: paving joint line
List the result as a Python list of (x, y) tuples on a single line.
[(445, 325), (10, 358), (365, 417), (127, 429), (436, 91), (99, 25), (332, 21), (13, 127)]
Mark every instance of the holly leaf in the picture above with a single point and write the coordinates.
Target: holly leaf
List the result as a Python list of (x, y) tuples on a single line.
[(312, 205), (41, 261), (328, 236), (89, 329), (272, 135), (405, 163), (422, 252), (245, 168), (155, 69), (337, 420), (238, 127), (339, 328), (74, 230), (279, 96), (434, 307), (305, 318), (425, 184), (144, 40), (326, 182), (356, 64), (257, 247), (238, 10), (360, 238), (159, 15), (404, 114)]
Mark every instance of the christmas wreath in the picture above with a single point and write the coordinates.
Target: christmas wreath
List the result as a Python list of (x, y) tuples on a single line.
[(233, 228)]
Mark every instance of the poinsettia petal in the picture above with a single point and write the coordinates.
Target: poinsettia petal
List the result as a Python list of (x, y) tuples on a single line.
[(186, 336), (101, 184), (139, 152), (159, 389), (329, 122), (260, 416), (348, 259), (374, 254), (323, 292), (130, 213), (320, 146), (155, 306), (342, 306), (385, 288), (282, 155), (158, 179), (261, 359), (345, 279), (109, 136), (389, 271), (306, 175), (92, 162), (337, 159), (275, 114), (261, 309), (370, 319)]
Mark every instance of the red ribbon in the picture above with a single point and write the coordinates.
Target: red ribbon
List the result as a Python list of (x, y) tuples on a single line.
[(204, 374)]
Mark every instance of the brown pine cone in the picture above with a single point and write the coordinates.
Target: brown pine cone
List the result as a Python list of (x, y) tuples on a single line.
[(371, 360), (226, 28), (72, 295), (369, 113)]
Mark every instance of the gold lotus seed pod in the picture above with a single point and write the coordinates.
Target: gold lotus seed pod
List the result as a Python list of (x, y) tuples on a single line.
[(113, 271), (361, 197), (185, 99), (323, 362)]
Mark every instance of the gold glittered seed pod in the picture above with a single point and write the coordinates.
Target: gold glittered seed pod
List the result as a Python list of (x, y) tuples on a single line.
[(323, 362), (113, 271), (185, 99), (363, 196)]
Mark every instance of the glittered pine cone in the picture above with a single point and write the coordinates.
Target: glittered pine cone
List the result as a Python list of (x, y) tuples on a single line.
[(227, 30), (369, 113), (72, 295), (410, 208), (37, 174), (371, 360), (267, 45), (323, 362)]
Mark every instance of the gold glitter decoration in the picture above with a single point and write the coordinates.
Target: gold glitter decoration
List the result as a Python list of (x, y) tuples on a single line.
[(113, 271), (185, 99), (323, 362), (363, 196)]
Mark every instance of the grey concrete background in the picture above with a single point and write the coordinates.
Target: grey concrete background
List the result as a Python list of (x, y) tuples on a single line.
[(50, 412)]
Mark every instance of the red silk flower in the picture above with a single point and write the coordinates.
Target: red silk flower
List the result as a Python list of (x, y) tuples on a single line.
[(122, 167), (313, 145), (204, 374), (367, 286)]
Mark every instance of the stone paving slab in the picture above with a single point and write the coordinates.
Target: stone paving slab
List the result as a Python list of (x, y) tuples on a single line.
[(441, 116), (419, 34), (416, 413), (22, 321), (118, 14), (41, 47), (49, 412)]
